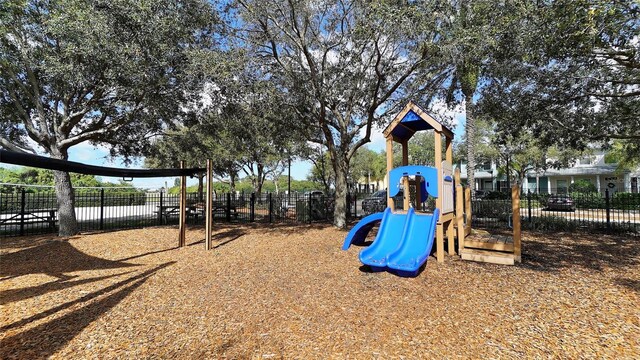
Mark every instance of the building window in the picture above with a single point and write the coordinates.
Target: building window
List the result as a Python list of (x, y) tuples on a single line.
[(587, 160), (562, 186), (634, 185), (485, 166)]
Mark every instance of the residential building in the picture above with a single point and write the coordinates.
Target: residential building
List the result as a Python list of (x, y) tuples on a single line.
[(593, 168)]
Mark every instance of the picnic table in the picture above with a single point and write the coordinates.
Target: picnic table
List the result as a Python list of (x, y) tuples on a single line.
[(31, 216), (219, 207), (166, 211)]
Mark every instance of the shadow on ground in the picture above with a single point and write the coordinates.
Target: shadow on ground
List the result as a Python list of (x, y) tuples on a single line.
[(44, 340), (553, 252), (54, 258)]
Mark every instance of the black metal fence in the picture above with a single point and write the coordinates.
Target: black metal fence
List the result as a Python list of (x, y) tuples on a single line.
[(560, 212), (24, 213)]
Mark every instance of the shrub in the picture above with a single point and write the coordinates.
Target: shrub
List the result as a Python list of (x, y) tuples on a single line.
[(582, 186), (491, 208), (626, 201), (591, 200)]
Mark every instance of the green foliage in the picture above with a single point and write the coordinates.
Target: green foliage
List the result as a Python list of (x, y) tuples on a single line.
[(33, 176), (498, 208), (625, 153), (570, 74), (518, 153), (245, 185), (81, 70), (582, 186), (587, 200), (339, 66), (368, 164)]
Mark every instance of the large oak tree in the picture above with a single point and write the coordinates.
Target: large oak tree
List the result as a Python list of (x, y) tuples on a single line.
[(97, 71), (344, 65)]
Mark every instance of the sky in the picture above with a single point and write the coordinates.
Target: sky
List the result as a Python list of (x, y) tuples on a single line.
[(88, 154)]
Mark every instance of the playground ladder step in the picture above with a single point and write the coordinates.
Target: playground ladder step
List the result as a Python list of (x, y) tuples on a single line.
[(493, 257)]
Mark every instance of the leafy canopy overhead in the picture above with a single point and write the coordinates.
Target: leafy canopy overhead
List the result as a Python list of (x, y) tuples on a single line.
[(99, 71)]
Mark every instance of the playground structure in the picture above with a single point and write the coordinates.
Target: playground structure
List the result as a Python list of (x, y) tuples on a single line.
[(408, 234)]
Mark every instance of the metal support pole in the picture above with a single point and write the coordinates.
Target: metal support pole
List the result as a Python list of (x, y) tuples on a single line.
[(252, 208), (228, 212), (208, 210), (102, 209), (182, 229), (270, 208), (608, 207), (160, 208), (529, 203), (23, 204)]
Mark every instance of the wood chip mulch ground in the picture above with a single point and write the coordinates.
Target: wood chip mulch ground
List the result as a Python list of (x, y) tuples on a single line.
[(290, 292)]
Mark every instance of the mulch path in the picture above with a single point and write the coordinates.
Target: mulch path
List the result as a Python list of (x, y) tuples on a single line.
[(290, 292)]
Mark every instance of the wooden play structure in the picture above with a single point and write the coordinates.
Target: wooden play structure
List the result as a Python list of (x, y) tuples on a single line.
[(455, 216)]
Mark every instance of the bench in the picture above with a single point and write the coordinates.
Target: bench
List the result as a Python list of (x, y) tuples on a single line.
[(29, 217)]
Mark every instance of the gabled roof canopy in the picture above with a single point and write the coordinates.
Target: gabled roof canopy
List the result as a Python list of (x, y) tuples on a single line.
[(411, 120)]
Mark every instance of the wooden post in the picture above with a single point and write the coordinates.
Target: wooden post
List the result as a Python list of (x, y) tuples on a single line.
[(517, 233), (439, 225), (451, 245), (405, 179), (439, 243), (459, 215), (389, 168), (182, 230), (208, 208), (449, 150)]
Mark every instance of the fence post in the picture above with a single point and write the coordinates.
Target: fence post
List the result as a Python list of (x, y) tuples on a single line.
[(252, 208), (228, 214), (270, 209), (529, 203), (160, 209), (355, 206), (23, 204), (101, 208), (348, 205), (608, 207)]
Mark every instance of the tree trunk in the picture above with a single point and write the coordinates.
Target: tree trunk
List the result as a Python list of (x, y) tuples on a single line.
[(259, 180), (340, 211), (65, 197), (200, 187), (470, 129)]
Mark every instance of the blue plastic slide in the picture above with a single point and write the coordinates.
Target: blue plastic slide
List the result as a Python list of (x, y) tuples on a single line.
[(387, 240), (359, 232), (417, 241)]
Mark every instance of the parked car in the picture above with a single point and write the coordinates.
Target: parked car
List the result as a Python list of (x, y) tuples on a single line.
[(377, 202), (480, 194), (561, 202), (314, 194)]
